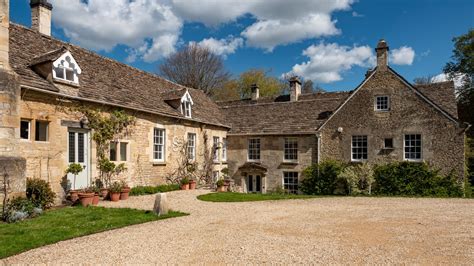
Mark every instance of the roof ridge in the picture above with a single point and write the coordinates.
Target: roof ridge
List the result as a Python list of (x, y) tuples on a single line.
[(287, 102)]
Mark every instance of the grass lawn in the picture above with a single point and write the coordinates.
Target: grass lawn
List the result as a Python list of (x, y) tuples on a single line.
[(66, 223), (241, 197)]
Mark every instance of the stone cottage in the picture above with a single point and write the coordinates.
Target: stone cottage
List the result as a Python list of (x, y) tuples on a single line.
[(42, 80), (384, 119)]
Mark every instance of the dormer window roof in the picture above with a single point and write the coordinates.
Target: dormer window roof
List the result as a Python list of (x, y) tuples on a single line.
[(186, 105), (65, 68)]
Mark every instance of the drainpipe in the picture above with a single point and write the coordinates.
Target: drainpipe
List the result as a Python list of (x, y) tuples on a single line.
[(318, 135)]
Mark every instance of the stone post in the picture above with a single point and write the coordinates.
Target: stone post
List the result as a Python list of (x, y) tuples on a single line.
[(161, 206)]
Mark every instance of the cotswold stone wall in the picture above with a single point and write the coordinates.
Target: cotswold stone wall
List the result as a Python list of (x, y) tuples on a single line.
[(442, 140), (271, 156), (48, 160)]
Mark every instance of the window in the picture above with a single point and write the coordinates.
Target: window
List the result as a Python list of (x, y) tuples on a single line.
[(224, 149), (412, 147), (388, 143), (359, 148), (382, 103), (25, 129), (41, 133), (123, 151), (66, 68), (215, 176), (254, 150), (186, 108), (118, 151), (290, 182), (113, 151), (291, 149), (159, 144), (192, 146), (215, 155)]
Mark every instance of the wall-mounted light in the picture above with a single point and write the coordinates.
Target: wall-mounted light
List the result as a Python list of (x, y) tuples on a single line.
[(340, 129)]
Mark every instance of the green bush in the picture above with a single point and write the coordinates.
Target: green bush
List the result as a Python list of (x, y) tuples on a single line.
[(39, 193), (146, 190), (18, 209), (358, 179), (321, 179), (414, 179)]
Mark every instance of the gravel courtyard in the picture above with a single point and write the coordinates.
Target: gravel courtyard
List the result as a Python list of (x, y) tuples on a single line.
[(323, 230)]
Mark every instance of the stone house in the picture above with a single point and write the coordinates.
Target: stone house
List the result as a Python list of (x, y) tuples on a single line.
[(43, 81), (384, 119)]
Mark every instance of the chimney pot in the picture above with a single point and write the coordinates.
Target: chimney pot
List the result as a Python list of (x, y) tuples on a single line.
[(295, 88), (382, 54), (255, 91), (41, 16)]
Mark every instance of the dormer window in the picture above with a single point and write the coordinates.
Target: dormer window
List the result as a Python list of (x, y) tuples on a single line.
[(186, 105), (65, 68)]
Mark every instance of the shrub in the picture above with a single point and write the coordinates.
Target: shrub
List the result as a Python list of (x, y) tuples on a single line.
[(414, 179), (146, 190), (39, 193), (220, 183), (18, 209), (358, 179), (115, 187), (321, 179)]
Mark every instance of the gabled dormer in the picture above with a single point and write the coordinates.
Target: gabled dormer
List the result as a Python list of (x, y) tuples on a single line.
[(58, 66), (180, 100), (186, 105)]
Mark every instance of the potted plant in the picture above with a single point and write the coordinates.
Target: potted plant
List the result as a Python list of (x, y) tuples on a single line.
[(192, 184), (125, 191), (75, 169), (184, 183), (191, 168), (220, 185), (114, 191), (96, 191), (86, 197)]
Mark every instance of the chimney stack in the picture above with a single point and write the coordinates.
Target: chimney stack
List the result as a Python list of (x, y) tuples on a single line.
[(41, 16), (255, 91), (4, 34), (295, 88), (382, 55)]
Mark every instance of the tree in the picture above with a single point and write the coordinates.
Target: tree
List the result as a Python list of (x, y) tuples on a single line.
[(462, 66), (423, 80), (309, 87), (195, 67)]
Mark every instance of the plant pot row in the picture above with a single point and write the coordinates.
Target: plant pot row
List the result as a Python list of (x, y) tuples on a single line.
[(91, 198), (189, 186)]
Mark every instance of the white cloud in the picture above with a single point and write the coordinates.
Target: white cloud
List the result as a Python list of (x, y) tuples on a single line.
[(328, 61), (148, 27), (222, 47), (458, 80), (357, 15), (402, 56)]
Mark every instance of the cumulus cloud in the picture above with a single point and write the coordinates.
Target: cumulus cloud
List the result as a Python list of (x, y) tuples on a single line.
[(458, 80), (402, 56), (148, 27), (221, 47)]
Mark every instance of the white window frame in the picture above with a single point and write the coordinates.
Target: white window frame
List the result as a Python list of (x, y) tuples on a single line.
[(257, 151), (215, 148), (292, 184), (376, 104), (191, 148), (158, 144), (289, 150), (359, 147), (64, 63), (224, 149), (186, 105), (405, 146), (29, 129)]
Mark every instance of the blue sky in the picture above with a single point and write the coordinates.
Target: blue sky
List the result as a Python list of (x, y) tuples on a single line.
[(328, 42)]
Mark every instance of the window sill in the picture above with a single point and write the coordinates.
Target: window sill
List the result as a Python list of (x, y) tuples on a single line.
[(66, 82), (158, 163), (290, 162), (388, 148)]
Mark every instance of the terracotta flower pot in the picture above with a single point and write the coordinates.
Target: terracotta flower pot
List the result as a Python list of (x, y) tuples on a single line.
[(74, 195), (184, 186), (104, 192), (114, 196), (192, 184), (86, 198), (124, 193), (95, 200), (222, 189)]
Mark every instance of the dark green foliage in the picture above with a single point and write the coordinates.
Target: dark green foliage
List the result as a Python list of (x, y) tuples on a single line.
[(66, 223), (39, 193), (145, 190), (414, 179), (321, 179), (242, 197)]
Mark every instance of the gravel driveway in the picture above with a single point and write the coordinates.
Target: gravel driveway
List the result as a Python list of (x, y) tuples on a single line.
[(325, 230)]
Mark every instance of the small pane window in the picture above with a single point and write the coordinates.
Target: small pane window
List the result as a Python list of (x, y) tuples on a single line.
[(123, 151), (72, 147), (80, 147), (69, 74), (382, 103), (359, 148), (113, 151), (59, 71), (412, 147), (186, 108), (254, 149), (215, 155), (191, 146), (25, 128), (224, 149), (290, 182), (291, 149), (388, 143), (41, 133), (159, 144)]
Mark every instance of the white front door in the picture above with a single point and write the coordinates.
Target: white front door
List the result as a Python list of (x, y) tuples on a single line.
[(78, 152)]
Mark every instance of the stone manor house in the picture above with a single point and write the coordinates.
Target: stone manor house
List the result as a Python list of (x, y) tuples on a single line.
[(265, 142)]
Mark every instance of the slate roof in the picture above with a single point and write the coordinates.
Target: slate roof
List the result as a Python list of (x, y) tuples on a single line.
[(105, 80), (442, 94)]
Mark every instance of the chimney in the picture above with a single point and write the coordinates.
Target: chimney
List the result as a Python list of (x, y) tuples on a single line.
[(382, 55), (255, 91), (295, 88), (41, 16), (4, 34)]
